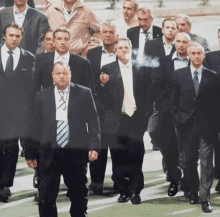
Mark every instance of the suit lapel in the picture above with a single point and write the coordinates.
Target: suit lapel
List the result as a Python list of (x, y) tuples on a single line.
[(204, 81), (1, 66), (72, 96), (28, 17), (189, 81), (173, 50)]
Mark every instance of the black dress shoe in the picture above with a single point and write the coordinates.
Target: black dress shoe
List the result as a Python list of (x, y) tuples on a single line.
[(173, 189), (123, 198), (96, 188), (217, 187), (206, 207), (135, 199), (5, 193), (193, 198)]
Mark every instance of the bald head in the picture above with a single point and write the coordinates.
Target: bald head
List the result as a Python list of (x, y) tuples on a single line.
[(182, 42)]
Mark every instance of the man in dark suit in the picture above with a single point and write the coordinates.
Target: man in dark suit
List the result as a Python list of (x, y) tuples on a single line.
[(212, 61), (195, 111), (33, 22), (80, 67), (162, 130), (144, 32), (48, 43), (16, 76), (99, 57), (64, 129), (128, 101)]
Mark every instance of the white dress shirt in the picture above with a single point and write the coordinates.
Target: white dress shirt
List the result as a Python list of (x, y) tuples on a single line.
[(192, 69), (142, 41), (167, 47), (57, 99), (64, 58), (66, 14), (15, 53), (127, 76), (107, 58), (19, 17), (178, 62)]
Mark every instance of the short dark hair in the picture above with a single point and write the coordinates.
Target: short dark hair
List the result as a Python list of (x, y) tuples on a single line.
[(60, 30), (12, 25), (49, 30), (168, 19)]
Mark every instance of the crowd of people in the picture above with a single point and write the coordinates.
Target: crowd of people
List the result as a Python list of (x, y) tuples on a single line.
[(71, 88)]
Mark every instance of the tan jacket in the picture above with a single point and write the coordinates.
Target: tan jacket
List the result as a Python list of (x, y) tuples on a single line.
[(84, 26)]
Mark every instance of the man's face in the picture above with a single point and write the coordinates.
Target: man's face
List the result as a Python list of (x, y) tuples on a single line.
[(181, 44), (20, 3), (61, 76), (108, 35), (61, 42), (219, 38), (183, 26), (144, 20), (12, 38), (48, 42), (123, 50), (196, 56), (129, 10), (169, 30), (70, 1)]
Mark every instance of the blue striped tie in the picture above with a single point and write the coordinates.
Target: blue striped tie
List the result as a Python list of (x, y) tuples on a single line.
[(62, 134)]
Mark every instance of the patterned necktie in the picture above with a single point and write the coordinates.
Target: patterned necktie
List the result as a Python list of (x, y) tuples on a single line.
[(147, 36), (9, 65), (62, 134), (196, 81), (127, 95)]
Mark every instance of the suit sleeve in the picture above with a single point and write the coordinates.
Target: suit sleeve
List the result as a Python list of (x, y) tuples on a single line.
[(93, 124), (37, 75), (43, 27), (33, 131)]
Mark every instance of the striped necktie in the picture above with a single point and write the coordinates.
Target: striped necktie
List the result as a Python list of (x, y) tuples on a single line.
[(9, 64), (62, 131), (196, 81)]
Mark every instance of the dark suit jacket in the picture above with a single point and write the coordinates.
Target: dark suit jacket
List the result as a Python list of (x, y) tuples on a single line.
[(42, 126), (80, 68), (155, 48), (114, 95), (212, 61), (35, 25), (134, 32), (16, 96), (8, 3), (204, 107)]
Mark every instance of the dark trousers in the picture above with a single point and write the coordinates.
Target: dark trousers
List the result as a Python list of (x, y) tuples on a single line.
[(98, 167), (194, 147), (164, 135), (217, 160), (127, 154), (74, 174), (10, 158)]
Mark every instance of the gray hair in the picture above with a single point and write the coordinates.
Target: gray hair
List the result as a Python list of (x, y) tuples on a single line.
[(146, 11), (184, 16), (133, 1), (108, 24), (195, 44), (61, 63), (184, 35)]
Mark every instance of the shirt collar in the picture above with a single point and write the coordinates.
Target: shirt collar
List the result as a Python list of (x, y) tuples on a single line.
[(199, 70), (23, 13), (104, 51), (149, 31), (175, 56), (65, 90), (16, 51), (65, 56), (66, 11), (164, 42), (122, 65)]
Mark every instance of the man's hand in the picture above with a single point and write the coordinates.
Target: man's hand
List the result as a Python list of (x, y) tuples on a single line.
[(104, 78), (32, 163), (93, 155)]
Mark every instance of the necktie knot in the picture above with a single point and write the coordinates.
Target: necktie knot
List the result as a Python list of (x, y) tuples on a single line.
[(196, 72), (10, 52), (69, 12)]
